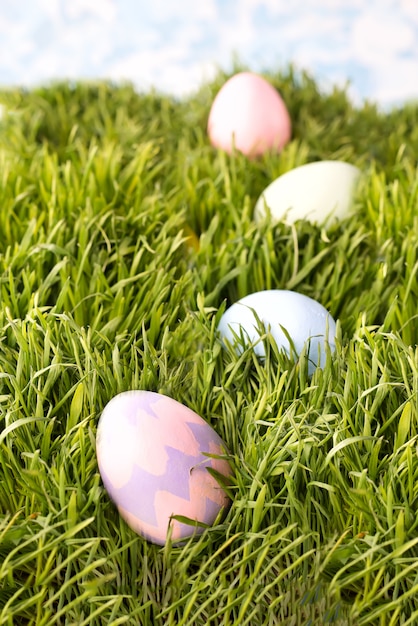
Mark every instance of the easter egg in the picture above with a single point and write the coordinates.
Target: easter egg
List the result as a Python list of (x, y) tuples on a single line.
[(152, 456), (248, 113), (284, 314), (320, 192)]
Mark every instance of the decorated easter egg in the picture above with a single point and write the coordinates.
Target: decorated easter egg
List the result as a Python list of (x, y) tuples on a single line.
[(321, 192), (153, 458), (248, 113), (285, 314)]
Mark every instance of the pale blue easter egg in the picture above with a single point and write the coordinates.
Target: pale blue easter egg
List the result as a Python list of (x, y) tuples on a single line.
[(281, 312)]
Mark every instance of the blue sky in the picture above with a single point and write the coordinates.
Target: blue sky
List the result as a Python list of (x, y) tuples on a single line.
[(174, 46)]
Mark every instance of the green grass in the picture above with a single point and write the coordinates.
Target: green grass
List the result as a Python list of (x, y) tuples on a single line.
[(103, 290)]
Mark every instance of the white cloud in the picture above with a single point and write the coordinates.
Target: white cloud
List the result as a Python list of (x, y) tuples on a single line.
[(396, 83), (410, 9), (17, 42), (185, 80), (377, 37), (146, 66), (333, 5), (170, 44), (184, 9), (159, 69), (324, 29), (236, 34), (104, 10), (50, 9), (187, 35)]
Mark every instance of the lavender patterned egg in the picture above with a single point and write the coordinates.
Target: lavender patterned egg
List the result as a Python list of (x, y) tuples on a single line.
[(152, 455)]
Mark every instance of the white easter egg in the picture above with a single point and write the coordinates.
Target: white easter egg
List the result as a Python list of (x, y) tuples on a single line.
[(320, 192), (305, 321)]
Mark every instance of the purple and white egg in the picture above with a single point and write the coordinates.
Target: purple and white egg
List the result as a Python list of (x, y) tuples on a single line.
[(152, 453)]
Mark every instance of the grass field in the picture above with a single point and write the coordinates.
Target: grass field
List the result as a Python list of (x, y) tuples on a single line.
[(124, 236)]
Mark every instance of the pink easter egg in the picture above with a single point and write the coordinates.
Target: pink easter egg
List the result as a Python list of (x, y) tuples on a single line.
[(249, 113), (152, 456)]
